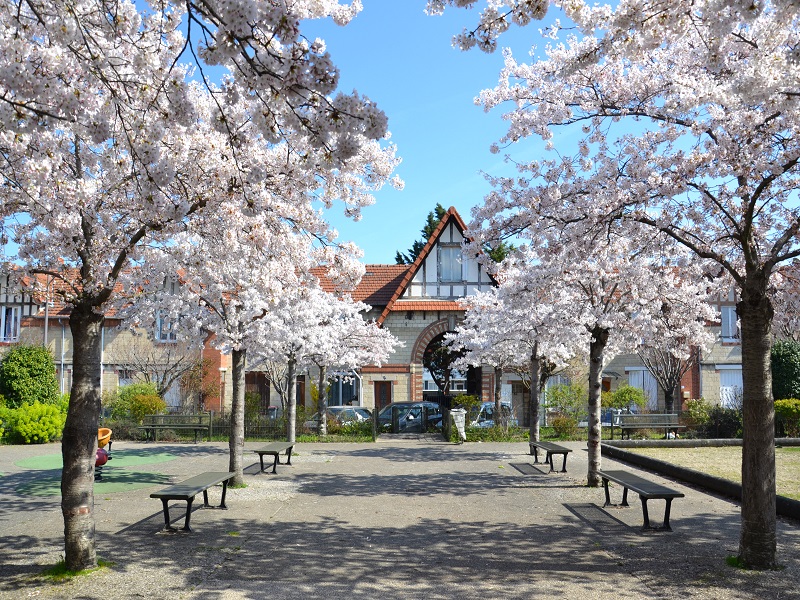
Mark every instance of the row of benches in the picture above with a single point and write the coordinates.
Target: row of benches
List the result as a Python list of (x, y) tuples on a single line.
[(647, 490), (187, 490)]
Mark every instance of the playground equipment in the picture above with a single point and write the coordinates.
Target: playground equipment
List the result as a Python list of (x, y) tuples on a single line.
[(102, 455)]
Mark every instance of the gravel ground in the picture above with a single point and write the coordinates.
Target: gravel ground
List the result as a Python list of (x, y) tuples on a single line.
[(403, 518)]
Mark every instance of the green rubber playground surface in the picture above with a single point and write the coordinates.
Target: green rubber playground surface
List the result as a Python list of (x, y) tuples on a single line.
[(123, 458), (45, 473)]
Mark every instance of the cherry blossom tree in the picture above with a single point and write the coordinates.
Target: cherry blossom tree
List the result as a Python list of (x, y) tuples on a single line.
[(224, 285), (515, 328), (606, 289), (108, 146), (345, 342), (677, 335), (685, 120), (316, 328)]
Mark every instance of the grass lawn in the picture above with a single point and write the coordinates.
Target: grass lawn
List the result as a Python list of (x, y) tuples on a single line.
[(726, 462)]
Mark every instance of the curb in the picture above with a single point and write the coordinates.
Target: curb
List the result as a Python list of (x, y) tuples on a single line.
[(784, 506)]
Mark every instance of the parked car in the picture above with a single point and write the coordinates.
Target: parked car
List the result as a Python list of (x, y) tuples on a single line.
[(485, 416), (342, 415), (409, 416)]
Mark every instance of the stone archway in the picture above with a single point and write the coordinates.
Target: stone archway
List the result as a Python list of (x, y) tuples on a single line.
[(478, 382)]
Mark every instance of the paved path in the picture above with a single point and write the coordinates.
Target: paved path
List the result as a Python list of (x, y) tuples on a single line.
[(403, 518)]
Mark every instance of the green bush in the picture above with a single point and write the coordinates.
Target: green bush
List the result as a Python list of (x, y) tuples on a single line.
[(35, 423), (788, 413), (146, 404), (785, 357), (565, 426), (28, 375), (252, 406), (627, 396), (470, 403), (569, 400), (722, 423), (697, 413), (134, 401)]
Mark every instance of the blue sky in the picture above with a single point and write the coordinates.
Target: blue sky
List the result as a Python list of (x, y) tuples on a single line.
[(403, 60)]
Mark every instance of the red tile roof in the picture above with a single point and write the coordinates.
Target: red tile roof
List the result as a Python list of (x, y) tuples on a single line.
[(376, 287)]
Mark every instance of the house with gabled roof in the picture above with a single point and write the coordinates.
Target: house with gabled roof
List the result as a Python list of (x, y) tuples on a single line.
[(417, 303)]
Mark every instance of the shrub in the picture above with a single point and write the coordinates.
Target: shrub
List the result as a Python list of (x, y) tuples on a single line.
[(565, 426), (723, 423), (35, 423), (571, 400), (252, 406), (470, 403), (785, 357), (627, 396), (788, 412), (134, 401), (28, 375), (697, 412), (146, 404)]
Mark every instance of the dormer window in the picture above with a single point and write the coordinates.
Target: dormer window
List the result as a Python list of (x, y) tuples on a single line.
[(729, 324), (9, 323), (164, 332), (450, 263)]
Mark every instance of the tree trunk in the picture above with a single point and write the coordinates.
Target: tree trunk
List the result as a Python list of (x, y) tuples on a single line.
[(669, 400), (236, 439), (322, 404), (757, 544), (499, 415), (79, 441), (534, 403), (596, 347), (291, 400)]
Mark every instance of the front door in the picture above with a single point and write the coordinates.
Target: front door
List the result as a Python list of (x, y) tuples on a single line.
[(383, 394)]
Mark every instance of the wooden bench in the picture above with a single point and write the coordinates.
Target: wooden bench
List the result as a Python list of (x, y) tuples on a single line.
[(274, 449), (187, 490), (647, 490), (627, 422), (550, 449), (152, 424)]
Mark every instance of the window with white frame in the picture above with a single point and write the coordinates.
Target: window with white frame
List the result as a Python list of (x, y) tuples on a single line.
[(729, 331), (730, 386), (164, 332), (450, 263), (9, 323), (644, 380)]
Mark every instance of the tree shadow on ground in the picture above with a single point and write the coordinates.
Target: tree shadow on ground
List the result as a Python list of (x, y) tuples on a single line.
[(586, 553)]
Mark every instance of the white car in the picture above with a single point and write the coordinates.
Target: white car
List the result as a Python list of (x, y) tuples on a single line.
[(341, 414), (485, 416)]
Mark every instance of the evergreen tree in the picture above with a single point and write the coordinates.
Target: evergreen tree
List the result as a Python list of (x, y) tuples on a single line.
[(431, 222)]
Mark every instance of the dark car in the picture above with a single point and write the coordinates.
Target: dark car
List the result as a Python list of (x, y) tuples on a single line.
[(410, 416)]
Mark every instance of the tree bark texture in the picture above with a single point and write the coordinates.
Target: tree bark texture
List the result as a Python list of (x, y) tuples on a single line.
[(596, 348), (79, 441), (499, 416), (291, 400), (322, 403), (757, 544), (236, 439), (534, 403)]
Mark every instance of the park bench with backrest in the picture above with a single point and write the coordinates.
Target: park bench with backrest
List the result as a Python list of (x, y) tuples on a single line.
[(274, 449), (628, 422), (187, 490), (152, 424), (647, 490), (550, 449)]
